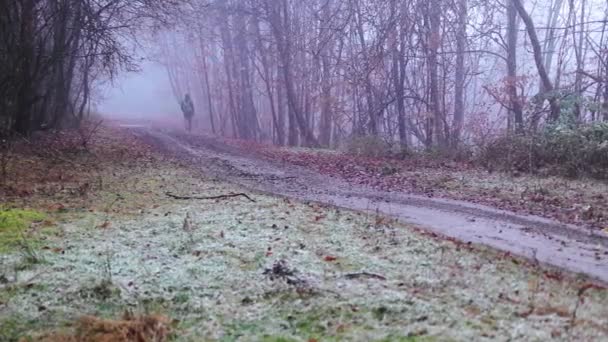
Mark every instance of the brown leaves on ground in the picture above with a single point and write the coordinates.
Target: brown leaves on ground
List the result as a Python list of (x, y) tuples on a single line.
[(129, 329), (570, 201), (56, 172)]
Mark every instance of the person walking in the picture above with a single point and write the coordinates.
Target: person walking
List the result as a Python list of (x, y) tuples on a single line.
[(188, 111)]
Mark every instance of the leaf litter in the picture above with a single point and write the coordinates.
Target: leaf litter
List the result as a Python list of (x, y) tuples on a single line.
[(231, 269)]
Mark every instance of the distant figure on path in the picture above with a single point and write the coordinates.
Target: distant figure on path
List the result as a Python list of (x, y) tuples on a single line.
[(188, 110)]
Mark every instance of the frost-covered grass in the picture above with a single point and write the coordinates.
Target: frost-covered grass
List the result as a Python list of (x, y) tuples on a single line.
[(278, 270)]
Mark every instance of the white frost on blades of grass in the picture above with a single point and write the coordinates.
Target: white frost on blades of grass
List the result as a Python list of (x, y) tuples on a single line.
[(211, 278)]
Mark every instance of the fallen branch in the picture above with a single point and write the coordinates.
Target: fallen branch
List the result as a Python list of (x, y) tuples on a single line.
[(580, 301), (364, 275), (177, 197)]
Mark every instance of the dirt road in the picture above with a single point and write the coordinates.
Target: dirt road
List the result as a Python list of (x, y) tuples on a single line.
[(565, 246)]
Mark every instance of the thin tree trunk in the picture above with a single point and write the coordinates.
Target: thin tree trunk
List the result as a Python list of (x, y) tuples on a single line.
[(398, 75), (25, 93), (326, 100), (208, 89), (250, 125), (371, 112), (435, 120), (515, 105), (578, 52), (459, 104)]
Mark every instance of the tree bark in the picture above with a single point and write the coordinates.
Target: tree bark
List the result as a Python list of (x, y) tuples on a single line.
[(459, 104), (25, 93), (435, 120), (371, 111), (326, 100), (398, 75), (515, 105)]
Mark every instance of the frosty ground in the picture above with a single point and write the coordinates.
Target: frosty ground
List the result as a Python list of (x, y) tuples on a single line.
[(112, 241)]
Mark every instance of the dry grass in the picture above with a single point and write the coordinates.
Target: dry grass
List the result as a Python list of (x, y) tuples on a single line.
[(129, 329)]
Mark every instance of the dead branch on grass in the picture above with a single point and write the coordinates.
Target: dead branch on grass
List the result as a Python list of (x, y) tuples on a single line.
[(219, 197), (579, 302), (364, 275)]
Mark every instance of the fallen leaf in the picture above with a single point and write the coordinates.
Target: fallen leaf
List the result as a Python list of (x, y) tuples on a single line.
[(105, 225)]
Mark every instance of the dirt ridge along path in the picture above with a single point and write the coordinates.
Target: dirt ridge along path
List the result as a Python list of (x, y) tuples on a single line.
[(541, 240)]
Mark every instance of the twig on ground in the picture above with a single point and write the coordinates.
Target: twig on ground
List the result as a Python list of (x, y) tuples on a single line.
[(177, 197), (364, 275)]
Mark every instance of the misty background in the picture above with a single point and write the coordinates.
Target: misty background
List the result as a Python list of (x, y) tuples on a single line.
[(143, 94)]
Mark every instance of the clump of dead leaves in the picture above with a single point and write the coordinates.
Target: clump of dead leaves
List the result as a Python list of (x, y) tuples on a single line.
[(152, 328)]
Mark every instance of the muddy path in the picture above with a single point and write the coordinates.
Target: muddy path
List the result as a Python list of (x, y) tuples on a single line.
[(568, 247)]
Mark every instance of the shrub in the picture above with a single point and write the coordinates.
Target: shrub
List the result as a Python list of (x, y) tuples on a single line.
[(368, 146), (558, 150)]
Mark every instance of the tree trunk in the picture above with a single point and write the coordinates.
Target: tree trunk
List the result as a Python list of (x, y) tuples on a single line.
[(281, 22), (280, 108), (459, 104), (278, 134), (208, 88), (371, 111), (228, 63), (515, 105), (538, 59), (25, 94), (326, 100), (435, 123), (398, 75), (578, 52), (249, 123)]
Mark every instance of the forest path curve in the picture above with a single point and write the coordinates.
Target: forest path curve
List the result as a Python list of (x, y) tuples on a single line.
[(560, 245)]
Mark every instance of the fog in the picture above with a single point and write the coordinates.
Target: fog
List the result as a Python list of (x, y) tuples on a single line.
[(330, 70), (144, 94)]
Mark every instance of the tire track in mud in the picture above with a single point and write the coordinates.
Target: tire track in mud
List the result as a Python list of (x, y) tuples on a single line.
[(549, 242)]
